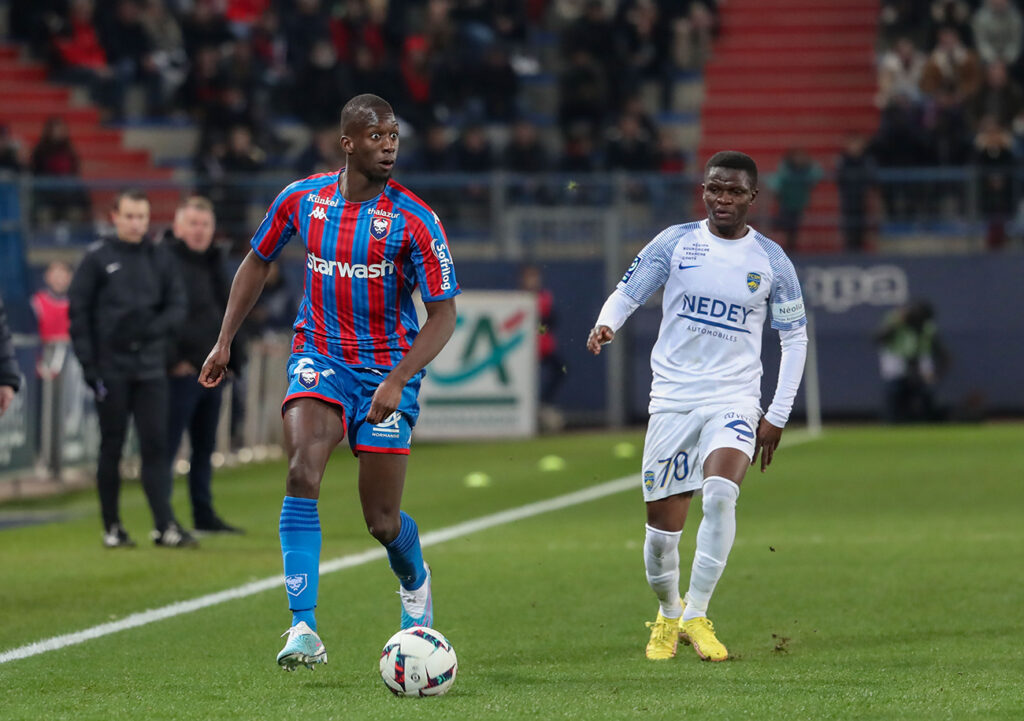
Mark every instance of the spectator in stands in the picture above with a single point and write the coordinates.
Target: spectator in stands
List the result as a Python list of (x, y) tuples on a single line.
[(435, 152), (583, 94), (951, 69), (79, 57), (206, 27), (321, 85), (578, 155), (417, 74), (270, 52), (899, 143), (994, 159), (242, 159), (323, 154), (473, 153), (305, 22), (855, 175), (497, 87), (168, 50), (671, 158), (10, 152), (642, 38), (998, 32), (902, 18), (955, 14), (899, 73), (204, 82), (526, 154), (630, 146), (55, 157), (192, 406), (999, 97), (911, 360), (792, 183), (129, 51), (10, 374)]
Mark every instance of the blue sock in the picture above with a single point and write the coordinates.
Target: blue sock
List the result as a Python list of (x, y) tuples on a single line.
[(405, 555), (300, 546)]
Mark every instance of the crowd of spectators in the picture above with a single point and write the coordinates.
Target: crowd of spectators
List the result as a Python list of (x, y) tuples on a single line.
[(950, 93), (456, 65)]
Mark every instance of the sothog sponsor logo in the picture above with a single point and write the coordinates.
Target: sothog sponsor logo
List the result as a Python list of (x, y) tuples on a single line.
[(444, 257)]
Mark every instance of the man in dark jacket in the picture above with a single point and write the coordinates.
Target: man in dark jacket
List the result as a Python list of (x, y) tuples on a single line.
[(125, 300), (10, 376), (193, 406)]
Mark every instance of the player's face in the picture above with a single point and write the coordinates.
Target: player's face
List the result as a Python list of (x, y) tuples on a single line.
[(131, 219), (728, 195), (373, 149)]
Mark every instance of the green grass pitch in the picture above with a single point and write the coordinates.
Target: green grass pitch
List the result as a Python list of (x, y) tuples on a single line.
[(876, 575)]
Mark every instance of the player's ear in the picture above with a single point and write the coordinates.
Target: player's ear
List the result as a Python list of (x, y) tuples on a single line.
[(347, 145)]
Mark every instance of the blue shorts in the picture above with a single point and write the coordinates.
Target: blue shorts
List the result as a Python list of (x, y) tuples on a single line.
[(311, 375)]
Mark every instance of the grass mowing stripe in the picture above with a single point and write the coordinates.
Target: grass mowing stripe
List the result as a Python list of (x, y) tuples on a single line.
[(458, 530)]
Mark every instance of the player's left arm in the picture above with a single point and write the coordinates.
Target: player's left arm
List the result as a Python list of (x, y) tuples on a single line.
[(436, 331), (789, 318)]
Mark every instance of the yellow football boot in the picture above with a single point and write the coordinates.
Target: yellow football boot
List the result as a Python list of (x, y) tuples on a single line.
[(701, 634), (664, 638)]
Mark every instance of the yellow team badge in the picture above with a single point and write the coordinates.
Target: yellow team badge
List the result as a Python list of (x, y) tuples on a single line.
[(753, 281)]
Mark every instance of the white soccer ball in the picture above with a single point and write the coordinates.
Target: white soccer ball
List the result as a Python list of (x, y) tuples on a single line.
[(418, 661)]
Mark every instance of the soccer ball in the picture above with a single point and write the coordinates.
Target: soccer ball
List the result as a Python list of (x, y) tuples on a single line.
[(418, 661)]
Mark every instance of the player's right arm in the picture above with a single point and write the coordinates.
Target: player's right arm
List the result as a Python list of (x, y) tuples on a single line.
[(648, 272), (245, 291)]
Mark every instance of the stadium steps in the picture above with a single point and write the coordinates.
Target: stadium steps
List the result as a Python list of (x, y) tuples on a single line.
[(792, 73), (30, 99)]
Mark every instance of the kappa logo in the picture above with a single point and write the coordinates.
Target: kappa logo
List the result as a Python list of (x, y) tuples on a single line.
[(113, 268), (379, 228), (318, 213), (296, 583)]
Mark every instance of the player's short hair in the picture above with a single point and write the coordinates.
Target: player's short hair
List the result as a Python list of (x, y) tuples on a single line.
[(197, 202), (130, 194), (734, 160), (364, 110)]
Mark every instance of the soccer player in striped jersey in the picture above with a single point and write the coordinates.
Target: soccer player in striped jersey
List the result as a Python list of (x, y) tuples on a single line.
[(357, 356), (722, 279)]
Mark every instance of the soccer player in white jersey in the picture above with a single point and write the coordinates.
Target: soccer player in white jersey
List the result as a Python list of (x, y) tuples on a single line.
[(722, 279)]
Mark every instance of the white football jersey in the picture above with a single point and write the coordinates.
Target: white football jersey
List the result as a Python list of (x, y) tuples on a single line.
[(717, 295)]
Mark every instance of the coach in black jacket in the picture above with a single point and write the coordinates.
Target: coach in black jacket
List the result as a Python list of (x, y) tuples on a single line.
[(10, 375), (125, 300), (194, 407)]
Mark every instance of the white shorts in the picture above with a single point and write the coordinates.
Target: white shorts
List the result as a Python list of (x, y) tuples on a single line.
[(677, 445)]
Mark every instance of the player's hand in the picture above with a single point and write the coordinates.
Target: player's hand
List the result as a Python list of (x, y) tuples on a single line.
[(385, 400), (6, 397), (768, 437), (212, 372), (599, 336)]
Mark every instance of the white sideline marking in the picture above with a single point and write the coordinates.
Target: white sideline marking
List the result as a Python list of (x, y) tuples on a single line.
[(431, 538), (356, 559)]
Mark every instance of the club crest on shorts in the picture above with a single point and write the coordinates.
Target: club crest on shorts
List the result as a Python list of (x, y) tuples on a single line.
[(649, 480), (380, 227), (309, 378), (295, 583), (753, 281)]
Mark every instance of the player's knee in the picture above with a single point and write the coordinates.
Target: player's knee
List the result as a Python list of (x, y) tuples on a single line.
[(302, 480), (383, 527), (720, 495)]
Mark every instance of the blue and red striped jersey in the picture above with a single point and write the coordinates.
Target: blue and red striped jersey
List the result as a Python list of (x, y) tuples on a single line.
[(362, 262)]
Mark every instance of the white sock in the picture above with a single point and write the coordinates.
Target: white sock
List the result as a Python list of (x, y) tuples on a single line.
[(661, 559), (714, 541)]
